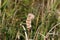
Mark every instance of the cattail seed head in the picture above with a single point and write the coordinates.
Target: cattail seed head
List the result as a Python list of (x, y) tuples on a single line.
[(30, 17)]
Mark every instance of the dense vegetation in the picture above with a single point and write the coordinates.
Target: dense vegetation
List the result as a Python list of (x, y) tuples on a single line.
[(45, 25)]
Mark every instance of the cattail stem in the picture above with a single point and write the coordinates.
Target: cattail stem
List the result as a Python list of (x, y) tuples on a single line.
[(24, 32)]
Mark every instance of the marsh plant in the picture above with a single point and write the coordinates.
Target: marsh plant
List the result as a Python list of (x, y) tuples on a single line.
[(29, 19)]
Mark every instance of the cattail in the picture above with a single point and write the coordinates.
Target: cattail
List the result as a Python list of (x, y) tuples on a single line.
[(30, 17)]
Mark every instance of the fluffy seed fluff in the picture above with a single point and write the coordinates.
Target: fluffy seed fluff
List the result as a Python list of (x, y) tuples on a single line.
[(30, 17)]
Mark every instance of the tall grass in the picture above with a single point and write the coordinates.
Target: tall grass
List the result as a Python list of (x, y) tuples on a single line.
[(45, 26)]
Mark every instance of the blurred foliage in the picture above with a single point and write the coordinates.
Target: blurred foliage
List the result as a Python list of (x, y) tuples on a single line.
[(14, 12)]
